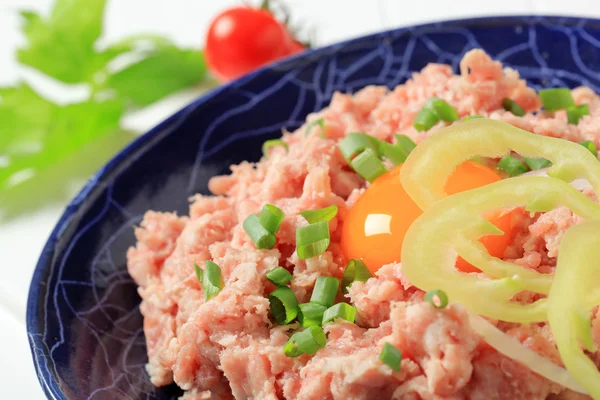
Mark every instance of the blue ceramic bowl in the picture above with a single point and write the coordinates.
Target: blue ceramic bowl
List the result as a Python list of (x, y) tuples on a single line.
[(83, 322)]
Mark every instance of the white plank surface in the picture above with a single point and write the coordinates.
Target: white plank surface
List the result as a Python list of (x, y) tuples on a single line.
[(186, 21)]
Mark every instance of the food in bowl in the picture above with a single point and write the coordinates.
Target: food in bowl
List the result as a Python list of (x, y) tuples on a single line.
[(353, 260)]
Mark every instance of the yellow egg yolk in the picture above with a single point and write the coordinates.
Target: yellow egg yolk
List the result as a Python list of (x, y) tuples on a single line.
[(375, 226)]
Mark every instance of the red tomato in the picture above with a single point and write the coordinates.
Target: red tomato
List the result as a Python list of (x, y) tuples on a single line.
[(242, 39)]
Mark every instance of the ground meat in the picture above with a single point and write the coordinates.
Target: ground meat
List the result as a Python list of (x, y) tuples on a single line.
[(228, 347)]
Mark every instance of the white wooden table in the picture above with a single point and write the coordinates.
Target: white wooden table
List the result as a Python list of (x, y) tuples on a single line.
[(186, 21)]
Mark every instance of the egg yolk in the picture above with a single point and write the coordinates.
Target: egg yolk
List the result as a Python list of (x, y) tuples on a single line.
[(375, 226)]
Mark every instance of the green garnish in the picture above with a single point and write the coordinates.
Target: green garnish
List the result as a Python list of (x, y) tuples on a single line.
[(279, 276), (309, 341), (284, 305), (262, 238), (312, 240), (368, 165), (399, 152), (588, 144), (437, 298), (575, 113), (271, 218), (325, 290), (391, 356), (273, 143), (340, 310), (311, 314), (64, 46), (355, 143), (425, 120), (210, 279), (470, 117), (442, 109), (320, 122), (322, 214), (537, 163), (356, 270), (556, 99), (512, 166), (513, 107)]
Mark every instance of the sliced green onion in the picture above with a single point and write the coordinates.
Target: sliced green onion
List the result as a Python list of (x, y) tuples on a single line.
[(425, 120), (470, 117), (441, 296), (291, 349), (273, 143), (368, 165), (356, 270), (340, 310), (575, 113), (513, 107), (442, 109), (279, 276), (355, 143), (210, 279), (399, 152), (284, 305), (556, 99), (588, 144), (322, 214), (391, 356), (325, 290), (309, 341), (312, 240), (262, 238), (271, 218), (320, 122), (311, 314), (512, 166), (537, 163)]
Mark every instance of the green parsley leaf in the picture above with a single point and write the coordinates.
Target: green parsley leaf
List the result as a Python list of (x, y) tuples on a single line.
[(164, 72), (62, 46)]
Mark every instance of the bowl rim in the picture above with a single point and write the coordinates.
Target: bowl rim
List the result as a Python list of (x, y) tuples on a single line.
[(38, 290)]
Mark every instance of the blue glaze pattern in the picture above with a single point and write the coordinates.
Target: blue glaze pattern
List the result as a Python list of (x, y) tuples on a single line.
[(83, 322)]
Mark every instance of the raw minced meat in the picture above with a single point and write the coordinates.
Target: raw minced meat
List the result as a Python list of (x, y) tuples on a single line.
[(229, 347)]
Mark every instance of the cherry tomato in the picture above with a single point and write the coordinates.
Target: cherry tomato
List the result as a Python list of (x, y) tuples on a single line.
[(242, 39)]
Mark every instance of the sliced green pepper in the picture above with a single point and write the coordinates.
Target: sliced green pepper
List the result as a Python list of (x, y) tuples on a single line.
[(574, 292)]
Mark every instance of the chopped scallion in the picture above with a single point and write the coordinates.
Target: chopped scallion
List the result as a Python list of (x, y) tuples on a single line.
[(320, 122), (279, 276), (556, 99), (210, 279), (368, 165), (537, 163), (442, 109), (513, 107), (440, 295), (340, 310), (355, 143), (273, 143), (470, 117), (575, 113), (391, 356), (397, 153), (312, 240), (322, 214), (284, 305), (512, 166), (311, 314), (309, 341), (425, 120), (588, 144), (271, 218), (325, 290), (356, 270), (262, 238)]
